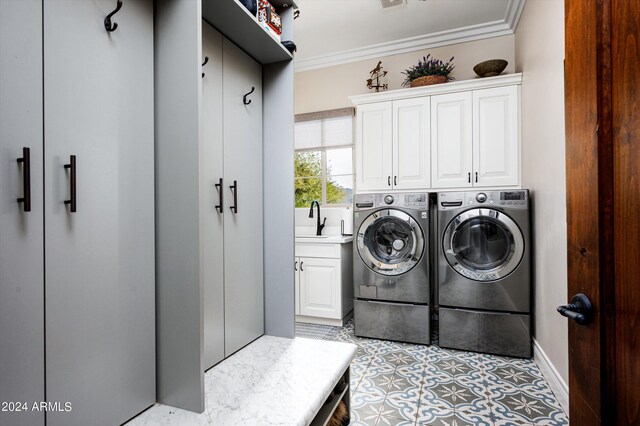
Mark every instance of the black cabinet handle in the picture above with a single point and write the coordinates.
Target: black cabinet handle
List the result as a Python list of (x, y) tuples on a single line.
[(234, 188), (295, 267), (26, 179), (469, 177), (72, 183), (301, 263), (389, 180), (395, 180), (220, 206), (476, 177)]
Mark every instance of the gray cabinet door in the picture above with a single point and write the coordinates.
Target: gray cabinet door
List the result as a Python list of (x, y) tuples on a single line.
[(243, 228), (98, 92), (211, 217), (21, 239)]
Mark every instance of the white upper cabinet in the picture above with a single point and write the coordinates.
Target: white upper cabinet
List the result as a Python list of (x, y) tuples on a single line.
[(392, 145), (495, 136), (448, 136), (411, 143), (373, 147), (451, 140)]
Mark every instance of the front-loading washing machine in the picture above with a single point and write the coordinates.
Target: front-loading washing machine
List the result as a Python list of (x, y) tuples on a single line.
[(391, 267), (483, 271)]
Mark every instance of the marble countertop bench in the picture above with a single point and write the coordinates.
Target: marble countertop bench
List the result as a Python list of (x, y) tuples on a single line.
[(272, 381)]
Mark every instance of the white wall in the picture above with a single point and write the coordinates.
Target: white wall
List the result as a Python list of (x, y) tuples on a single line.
[(328, 88), (539, 48)]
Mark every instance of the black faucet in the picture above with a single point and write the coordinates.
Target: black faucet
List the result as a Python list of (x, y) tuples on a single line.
[(319, 226)]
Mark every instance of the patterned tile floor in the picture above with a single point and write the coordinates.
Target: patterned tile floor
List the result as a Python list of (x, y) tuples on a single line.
[(404, 384)]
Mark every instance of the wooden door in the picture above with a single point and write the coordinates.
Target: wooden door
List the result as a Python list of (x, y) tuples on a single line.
[(211, 195), (374, 164), (319, 287), (21, 226), (451, 140), (602, 69), (100, 304), (243, 227), (411, 135), (496, 137)]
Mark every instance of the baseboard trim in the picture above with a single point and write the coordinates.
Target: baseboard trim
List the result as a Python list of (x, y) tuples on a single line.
[(556, 383)]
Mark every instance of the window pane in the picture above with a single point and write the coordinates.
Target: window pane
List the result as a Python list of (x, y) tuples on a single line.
[(337, 131), (307, 190), (307, 134), (339, 161), (308, 164), (340, 189)]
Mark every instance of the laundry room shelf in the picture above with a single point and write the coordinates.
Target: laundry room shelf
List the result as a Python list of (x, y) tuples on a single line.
[(232, 19)]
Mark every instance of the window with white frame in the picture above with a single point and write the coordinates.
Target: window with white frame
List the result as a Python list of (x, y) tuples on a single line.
[(324, 158)]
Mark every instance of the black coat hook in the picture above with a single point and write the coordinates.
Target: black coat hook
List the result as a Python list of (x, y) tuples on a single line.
[(107, 21), (244, 99), (206, 59), (296, 14)]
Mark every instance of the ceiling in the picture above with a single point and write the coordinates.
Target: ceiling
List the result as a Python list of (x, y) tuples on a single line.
[(331, 32)]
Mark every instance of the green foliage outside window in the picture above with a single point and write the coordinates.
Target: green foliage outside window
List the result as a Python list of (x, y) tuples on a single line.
[(308, 181)]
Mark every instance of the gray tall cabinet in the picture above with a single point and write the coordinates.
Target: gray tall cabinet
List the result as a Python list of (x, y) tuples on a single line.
[(224, 180), (77, 312)]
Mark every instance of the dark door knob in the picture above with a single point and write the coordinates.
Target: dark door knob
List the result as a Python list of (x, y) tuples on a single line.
[(580, 309)]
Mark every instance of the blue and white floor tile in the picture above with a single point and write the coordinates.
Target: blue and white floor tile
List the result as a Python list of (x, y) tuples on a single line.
[(412, 385)]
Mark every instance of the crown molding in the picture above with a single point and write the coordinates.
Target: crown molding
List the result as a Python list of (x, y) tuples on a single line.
[(507, 26)]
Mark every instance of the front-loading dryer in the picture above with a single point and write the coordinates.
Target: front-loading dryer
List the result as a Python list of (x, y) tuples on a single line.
[(483, 271), (391, 266)]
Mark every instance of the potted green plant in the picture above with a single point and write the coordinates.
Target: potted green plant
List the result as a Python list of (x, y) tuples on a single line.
[(428, 71)]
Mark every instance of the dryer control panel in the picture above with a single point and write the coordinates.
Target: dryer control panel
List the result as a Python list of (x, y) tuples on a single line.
[(516, 199)]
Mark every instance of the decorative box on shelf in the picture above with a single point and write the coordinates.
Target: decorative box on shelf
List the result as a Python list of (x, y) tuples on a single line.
[(269, 19)]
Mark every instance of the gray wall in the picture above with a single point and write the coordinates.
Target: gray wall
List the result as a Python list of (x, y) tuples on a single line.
[(540, 56)]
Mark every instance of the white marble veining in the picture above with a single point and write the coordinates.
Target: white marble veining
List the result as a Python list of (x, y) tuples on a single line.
[(273, 381), (323, 239)]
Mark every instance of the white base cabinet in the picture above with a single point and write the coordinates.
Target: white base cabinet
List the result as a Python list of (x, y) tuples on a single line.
[(323, 284), (450, 136)]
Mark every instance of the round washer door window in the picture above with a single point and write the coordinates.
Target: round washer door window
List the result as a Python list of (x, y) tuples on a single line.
[(483, 244), (390, 242)]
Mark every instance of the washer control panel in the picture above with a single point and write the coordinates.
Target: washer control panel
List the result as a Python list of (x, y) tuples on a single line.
[(418, 201)]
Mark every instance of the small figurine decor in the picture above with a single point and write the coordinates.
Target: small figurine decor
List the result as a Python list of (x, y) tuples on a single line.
[(375, 75), (428, 71)]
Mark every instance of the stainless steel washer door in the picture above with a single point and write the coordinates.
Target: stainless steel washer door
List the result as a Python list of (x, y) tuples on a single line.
[(390, 242), (483, 244)]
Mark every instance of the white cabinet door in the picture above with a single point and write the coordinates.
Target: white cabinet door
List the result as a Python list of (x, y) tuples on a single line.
[(243, 230), (495, 136), (100, 259), (211, 218), (374, 147), (319, 287), (451, 140), (411, 156), (296, 290)]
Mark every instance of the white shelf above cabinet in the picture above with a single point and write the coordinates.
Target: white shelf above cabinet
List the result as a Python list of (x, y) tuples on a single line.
[(233, 20)]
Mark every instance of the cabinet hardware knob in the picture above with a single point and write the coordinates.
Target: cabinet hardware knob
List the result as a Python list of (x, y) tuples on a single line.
[(295, 267), (26, 179), (220, 206), (389, 180), (72, 201), (234, 189), (476, 177), (395, 180), (469, 177), (301, 263)]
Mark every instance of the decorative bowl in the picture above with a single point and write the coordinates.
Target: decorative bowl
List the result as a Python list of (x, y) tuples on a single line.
[(490, 68)]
